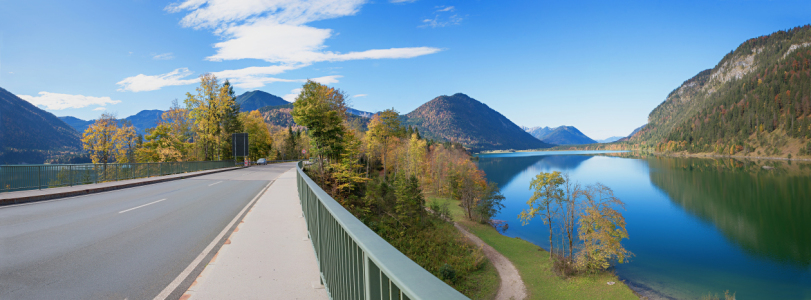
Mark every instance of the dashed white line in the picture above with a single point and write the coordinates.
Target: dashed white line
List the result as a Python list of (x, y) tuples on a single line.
[(137, 207), (214, 183)]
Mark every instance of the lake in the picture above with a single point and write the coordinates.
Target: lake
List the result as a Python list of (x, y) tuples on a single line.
[(696, 225)]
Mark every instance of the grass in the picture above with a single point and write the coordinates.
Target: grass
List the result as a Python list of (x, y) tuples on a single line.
[(535, 268)]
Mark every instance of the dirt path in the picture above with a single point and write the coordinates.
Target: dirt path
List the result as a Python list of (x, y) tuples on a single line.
[(512, 287)]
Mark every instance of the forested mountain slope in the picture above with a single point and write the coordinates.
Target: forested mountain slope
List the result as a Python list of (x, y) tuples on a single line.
[(29, 134), (464, 120), (257, 99), (754, 102)]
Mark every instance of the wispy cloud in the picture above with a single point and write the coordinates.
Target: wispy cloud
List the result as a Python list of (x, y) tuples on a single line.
[(54, 101), (276, 31), (100, 108), (445, 8), (360, 95), (402, 1), (163, 56), (247, 78), (442, 17), (143, 83)]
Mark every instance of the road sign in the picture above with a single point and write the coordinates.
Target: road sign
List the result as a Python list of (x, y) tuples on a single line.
[(240, 144)]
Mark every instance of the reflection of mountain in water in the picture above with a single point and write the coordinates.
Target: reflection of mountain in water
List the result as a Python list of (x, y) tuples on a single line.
[(502, 170), (767, 212)]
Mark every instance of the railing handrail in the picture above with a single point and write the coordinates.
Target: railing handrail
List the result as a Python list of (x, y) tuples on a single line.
[(414, 281), (116, 163)]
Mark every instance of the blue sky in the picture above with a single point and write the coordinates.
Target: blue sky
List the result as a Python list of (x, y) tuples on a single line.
[(601, 66)]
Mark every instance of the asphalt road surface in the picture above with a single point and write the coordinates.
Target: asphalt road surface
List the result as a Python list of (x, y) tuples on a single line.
[(125, 244)]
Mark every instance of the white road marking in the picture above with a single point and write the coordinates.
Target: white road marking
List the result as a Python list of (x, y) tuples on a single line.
[(180, 277), (214, 183), (137, 207)]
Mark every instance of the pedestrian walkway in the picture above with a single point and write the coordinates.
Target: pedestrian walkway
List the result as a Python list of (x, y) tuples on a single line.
[(268, 256)]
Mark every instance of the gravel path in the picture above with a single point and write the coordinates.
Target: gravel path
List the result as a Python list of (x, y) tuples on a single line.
[(511, 287)]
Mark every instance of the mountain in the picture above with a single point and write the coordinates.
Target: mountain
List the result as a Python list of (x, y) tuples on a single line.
[(141, 121), (257, 99), (611, 139), (280, 115), (361, 113), (561, 135), (462, 119), (29, 134), (145, 119), (755, 101), (78, 124)]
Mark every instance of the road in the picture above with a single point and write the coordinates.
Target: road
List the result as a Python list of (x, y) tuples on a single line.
[(125, 244)]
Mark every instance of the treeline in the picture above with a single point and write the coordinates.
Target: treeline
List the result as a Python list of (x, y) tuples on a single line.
[(383, 176), (200, 130)]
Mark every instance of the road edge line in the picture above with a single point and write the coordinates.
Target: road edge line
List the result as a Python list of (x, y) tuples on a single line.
[(169, 289)]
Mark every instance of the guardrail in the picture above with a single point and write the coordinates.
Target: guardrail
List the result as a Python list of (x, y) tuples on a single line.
[(32, 177), (354, 261)]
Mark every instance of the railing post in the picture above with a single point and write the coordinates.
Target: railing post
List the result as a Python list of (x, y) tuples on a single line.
[(39, 177)]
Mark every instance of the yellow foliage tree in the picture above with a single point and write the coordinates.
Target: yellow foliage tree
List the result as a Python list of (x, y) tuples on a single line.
[(100, 138), (259, 138)]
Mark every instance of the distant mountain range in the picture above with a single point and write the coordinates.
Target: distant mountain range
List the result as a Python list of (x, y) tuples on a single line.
[(611, 139), (459, 118), (29, 134), (141, 121), (561, 135), (257, 99)]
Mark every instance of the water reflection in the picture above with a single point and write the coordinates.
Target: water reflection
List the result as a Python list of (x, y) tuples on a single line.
[(765, 211)]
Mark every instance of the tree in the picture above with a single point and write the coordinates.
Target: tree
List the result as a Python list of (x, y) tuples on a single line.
[(125, 143), (602, 229), (259, 138), (99, 138), (160, 145), (410, 203), (384, 128), (322, 110), (570, 206), (490, 204), (214, 111), (547, 193)]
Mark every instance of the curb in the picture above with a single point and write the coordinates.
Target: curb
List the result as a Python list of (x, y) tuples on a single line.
[(35, 198)]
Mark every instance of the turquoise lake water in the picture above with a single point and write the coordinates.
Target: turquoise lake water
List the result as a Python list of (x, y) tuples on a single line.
[(696, 225)]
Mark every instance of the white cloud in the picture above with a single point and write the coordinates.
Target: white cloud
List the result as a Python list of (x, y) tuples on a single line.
[(360, 95), (164, 56), (100, 108), (54, 101), (441, 18), (142, 83), (292, 96), (327, 80), (11, 72), (402, 1), (275, 30), (445, 8)]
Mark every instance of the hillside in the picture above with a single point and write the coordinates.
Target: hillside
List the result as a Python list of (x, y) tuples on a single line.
[(280, 115), (77, 124), (29, 134), (257, 99), (755, 101), (561, 135), (462, 119)]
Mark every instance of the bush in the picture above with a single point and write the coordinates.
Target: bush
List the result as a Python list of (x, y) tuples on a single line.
[(446, 272)]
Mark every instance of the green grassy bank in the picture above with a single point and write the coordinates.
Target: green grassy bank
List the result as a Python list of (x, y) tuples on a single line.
[(535, 268)]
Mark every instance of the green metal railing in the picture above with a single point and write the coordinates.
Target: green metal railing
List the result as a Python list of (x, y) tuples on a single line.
[(32, 177), (355, 262)]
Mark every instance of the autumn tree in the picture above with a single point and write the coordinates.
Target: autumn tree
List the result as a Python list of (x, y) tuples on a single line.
[(259, 138), (547, 192), (602, 229), (214, 111), (100, 138), (322, 110), (384, 130), (125, 143)]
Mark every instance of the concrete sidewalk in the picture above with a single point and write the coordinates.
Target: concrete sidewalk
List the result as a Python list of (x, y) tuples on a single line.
[(268, 256), (18, 197)]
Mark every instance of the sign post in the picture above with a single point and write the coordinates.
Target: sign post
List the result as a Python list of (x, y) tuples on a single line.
[(240, 146)]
